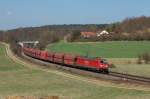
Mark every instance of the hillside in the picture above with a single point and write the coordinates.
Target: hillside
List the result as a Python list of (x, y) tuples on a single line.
[(135, 28), (134, 24)]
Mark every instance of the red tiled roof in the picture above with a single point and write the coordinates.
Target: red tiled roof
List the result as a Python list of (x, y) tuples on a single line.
[(88, 33)]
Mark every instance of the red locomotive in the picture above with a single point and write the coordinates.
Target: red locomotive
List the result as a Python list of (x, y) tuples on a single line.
[(68, 59)]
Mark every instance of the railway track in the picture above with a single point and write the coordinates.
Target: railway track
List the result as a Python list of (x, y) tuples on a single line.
[(112, 76), (130, 77)]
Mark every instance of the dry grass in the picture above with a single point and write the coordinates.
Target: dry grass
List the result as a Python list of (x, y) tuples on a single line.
[(130, 66)]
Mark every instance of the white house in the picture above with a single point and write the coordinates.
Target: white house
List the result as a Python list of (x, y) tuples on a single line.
[(102, 33)]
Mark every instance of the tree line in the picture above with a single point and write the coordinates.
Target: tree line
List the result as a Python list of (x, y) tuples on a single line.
[(130, 29)]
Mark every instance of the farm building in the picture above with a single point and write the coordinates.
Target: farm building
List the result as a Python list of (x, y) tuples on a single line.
[(94, 34), (104, 32), (88, 34)]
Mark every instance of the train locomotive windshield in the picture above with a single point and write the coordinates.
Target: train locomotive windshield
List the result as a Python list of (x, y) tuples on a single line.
[(103, 61)]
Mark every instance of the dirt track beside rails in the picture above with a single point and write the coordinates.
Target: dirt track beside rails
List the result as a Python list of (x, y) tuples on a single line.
[(89, 80), (32, 97)]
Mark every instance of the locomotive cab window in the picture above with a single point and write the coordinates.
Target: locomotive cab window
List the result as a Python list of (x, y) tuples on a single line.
[(103, 61)]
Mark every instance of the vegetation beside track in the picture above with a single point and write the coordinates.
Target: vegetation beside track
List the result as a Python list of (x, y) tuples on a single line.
[(25, 81), (129, 66)]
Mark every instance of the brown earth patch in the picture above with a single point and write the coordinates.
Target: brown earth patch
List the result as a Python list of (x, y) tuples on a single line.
[(32, 97)]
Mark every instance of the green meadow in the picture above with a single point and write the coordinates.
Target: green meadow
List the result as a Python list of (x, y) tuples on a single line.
[(113, 49)]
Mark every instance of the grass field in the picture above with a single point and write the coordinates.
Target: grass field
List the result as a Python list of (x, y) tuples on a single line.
[(16, 79), (114, 49), (129, 66)]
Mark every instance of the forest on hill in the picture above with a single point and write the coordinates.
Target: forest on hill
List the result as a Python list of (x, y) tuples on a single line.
[(136, 28)]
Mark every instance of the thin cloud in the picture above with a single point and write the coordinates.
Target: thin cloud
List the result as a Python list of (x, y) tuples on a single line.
[(9, 13)]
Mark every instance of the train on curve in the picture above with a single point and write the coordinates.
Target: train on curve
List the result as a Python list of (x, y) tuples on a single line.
[(97, 64)]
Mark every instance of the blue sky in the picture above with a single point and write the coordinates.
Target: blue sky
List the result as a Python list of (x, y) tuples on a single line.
[(25, 13)]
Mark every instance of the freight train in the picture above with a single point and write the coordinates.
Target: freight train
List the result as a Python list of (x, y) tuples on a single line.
[(78, 61)]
